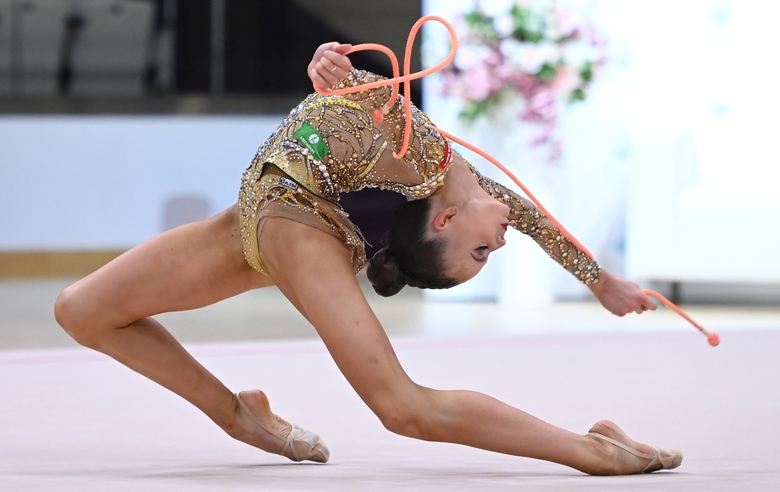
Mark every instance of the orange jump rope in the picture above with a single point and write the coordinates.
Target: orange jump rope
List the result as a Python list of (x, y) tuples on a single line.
[(397, 80)]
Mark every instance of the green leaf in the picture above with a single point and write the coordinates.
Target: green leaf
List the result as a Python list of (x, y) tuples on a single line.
[(470, 112), (474, 109), (528, 27), (586, 74), (475, 19), (520, 15), (546, 73), (577, 95), (482, 26)]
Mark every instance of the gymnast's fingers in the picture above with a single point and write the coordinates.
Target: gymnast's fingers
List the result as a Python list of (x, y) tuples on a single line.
[(342, 48), (337, 65), (339, 59), (648, 303), (333, 67), (321, 49), (318, 54), (329, 64), (318, 79), (325, 70)]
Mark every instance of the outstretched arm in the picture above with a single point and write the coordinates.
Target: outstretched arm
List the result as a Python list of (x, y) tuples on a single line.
[(528, 219), (618, 295)]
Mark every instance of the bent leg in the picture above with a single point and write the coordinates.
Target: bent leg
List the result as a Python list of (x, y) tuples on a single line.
[(315, 272), (185, 268)]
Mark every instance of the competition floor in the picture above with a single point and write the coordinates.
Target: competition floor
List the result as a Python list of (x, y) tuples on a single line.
[(72, 419)]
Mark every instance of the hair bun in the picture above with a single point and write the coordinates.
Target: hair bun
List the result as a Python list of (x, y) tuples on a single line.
[(384, 274)]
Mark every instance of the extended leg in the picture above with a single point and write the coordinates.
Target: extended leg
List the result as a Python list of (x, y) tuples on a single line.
[(314, 271), (188, 267)]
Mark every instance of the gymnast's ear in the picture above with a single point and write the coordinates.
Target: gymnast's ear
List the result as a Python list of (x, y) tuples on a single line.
[(442, 219)]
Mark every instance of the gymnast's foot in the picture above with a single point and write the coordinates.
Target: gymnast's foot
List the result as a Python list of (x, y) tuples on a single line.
[(625, 456), (269, 432)]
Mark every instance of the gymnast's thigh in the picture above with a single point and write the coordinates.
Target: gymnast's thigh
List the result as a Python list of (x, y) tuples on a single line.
[(314, 270), (184, 268)]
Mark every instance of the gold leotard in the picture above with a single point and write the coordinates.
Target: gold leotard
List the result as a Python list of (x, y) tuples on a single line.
[(285, 179)]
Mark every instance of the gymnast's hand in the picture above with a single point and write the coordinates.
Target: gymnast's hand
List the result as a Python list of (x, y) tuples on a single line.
[(330, 64), (621, 296)]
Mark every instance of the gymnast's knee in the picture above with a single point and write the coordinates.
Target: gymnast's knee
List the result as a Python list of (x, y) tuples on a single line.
[(72, 315), (406, 415)]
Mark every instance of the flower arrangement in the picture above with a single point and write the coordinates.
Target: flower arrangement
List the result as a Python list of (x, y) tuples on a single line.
[(534, 49)]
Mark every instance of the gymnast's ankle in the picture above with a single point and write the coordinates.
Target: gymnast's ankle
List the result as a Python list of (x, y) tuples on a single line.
[(255, 424)]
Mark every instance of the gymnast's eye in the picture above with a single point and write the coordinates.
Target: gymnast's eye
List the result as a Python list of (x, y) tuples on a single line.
[(480, 255)]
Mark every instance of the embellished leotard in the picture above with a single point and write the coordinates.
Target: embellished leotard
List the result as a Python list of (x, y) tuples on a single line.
[(289, 179)]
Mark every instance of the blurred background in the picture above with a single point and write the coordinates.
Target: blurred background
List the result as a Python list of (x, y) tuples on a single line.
[(155, 104), (120, 119), (669, 155)]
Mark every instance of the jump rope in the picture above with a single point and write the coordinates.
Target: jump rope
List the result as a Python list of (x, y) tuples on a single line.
[(397, 80)]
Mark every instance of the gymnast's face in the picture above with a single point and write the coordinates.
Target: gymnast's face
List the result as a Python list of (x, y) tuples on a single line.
[(471, 232)]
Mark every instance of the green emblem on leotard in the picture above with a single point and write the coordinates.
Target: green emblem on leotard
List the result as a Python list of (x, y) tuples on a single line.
[(312, 140)]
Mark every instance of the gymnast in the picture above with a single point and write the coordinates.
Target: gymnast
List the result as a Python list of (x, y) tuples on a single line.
[(288, 230)]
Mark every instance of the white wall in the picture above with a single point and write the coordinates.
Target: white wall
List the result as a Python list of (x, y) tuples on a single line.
[(101, 182)]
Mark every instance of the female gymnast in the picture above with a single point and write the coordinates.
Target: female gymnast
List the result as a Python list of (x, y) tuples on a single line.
[(288, 230)]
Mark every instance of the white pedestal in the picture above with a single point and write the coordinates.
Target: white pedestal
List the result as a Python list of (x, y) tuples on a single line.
[(526, 273), (526, 276), (520, 275), (482, 288)]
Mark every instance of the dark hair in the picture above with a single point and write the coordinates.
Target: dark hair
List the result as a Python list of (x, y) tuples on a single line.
[(409, 258)]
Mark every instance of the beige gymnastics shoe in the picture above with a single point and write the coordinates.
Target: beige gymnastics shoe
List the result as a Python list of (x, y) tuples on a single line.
[(299, 444), (662, 459)]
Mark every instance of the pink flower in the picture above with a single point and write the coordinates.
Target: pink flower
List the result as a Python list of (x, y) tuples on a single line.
[(596, 40), (504, 25), (527, 57), (478, 83), (526, 85), (486, 68), (566, 80), (540, 107), (470, 56), (566, 24)]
